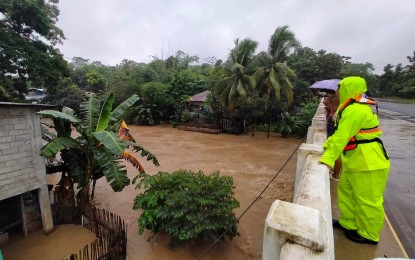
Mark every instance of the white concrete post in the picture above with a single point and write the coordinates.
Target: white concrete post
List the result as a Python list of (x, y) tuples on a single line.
[(294, 223), (303, 151), (45, 210)]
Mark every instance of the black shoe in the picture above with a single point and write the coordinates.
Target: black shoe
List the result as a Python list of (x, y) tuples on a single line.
[(355, 237), (337, 225)]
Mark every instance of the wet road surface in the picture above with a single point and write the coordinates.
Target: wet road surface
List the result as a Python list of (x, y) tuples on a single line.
[(398, 124)]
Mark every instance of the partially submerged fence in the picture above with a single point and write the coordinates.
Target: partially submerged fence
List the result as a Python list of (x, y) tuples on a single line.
[(302, 229), (109, 228)]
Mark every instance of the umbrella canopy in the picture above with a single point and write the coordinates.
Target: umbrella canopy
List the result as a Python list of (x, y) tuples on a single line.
[(328, 84)]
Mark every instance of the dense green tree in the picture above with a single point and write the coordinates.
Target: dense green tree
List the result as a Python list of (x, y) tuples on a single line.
[(67, 94), (156, 98), (304, 62), (95, 80), (274, 77), (28, 34), (330, 65), (364, 70), (185, 83), (95, 151), (237, 84), (124, 79)]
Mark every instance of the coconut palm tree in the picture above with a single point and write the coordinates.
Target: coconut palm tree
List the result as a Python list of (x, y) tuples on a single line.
[(238, 83), (273, 77), (95, 150)]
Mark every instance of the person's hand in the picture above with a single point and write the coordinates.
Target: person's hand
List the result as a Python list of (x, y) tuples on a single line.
[(328, 166)]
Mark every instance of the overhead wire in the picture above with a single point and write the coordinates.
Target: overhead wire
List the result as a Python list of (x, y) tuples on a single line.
[(253, 202)]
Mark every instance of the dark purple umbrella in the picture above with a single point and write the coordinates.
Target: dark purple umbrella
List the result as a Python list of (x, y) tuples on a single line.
[(328, 84)]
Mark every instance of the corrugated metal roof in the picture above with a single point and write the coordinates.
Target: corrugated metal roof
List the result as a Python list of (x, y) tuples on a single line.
[(199, 97)]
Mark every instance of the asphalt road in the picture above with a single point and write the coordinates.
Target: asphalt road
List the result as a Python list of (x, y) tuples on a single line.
[(397, 121)]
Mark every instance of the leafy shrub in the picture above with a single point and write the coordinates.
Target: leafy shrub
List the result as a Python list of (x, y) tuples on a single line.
[(187, 205), (303, 119), (186, 116), (287, 125)]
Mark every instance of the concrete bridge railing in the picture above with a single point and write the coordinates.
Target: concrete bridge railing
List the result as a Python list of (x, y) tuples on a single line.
[(303, 229)]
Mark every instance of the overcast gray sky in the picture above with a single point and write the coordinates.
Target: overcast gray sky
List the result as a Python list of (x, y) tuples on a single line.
[(375, 31)]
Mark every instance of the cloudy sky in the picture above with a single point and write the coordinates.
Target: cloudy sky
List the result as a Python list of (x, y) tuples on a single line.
[(375, 31)]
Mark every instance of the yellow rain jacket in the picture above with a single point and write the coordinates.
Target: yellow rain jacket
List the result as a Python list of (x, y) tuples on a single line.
[(357, 120), (365, 168)]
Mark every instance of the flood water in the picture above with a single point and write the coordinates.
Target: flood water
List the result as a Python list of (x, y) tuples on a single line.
[(251, 161)]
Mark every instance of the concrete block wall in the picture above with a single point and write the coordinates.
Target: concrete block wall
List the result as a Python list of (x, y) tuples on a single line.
[(22, 169), (302, 229)]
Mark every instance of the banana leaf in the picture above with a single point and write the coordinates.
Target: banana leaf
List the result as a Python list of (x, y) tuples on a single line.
[(113, 169), (119, 111), (104, 115), (58, 144), (57, 114), (111, 141)]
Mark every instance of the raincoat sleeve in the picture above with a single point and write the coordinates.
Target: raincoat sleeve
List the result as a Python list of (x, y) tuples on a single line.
[(350, 123)]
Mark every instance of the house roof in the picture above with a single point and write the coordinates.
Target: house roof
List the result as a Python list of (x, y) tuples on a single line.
[(199, 97)]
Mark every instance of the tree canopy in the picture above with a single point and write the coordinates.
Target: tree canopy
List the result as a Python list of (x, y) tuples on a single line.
[(28, 35)]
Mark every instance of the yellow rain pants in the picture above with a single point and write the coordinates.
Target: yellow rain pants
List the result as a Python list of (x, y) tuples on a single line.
[(360, 201), (364, 169)]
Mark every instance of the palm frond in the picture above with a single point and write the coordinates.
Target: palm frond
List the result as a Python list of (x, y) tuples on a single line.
[(274, 84), (104, 118), (233, 90), (224, 96), (282, 42), (240, 87), (221, 85), (258, 77), (244, 51)]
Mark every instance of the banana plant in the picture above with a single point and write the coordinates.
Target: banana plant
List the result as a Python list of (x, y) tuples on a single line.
[(94, 150)]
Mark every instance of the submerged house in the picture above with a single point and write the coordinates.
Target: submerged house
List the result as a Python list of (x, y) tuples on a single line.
[(196, 101), (24, 196)]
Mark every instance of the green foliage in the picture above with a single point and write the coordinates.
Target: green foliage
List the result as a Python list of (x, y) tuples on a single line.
[(28, 34), (236, 85), (186, 116), (302, 120), (287, 125), (274, 77), (67, 94), (95, 81), (143, 114), (398, 81), (95, 150), (187, 205), (155, 96)]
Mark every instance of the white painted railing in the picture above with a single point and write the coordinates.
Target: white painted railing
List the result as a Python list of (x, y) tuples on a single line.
[(302, 229)]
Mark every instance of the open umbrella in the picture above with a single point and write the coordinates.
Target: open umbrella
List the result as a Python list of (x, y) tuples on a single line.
[(328, 84)]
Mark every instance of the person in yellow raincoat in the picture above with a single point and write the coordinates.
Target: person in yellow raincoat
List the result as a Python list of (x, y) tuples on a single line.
[(365, 163)]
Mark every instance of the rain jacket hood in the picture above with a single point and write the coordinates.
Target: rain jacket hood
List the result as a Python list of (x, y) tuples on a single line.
[(351, 87)]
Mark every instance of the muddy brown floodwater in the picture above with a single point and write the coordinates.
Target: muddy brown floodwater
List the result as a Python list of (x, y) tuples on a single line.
[(251, 161)]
